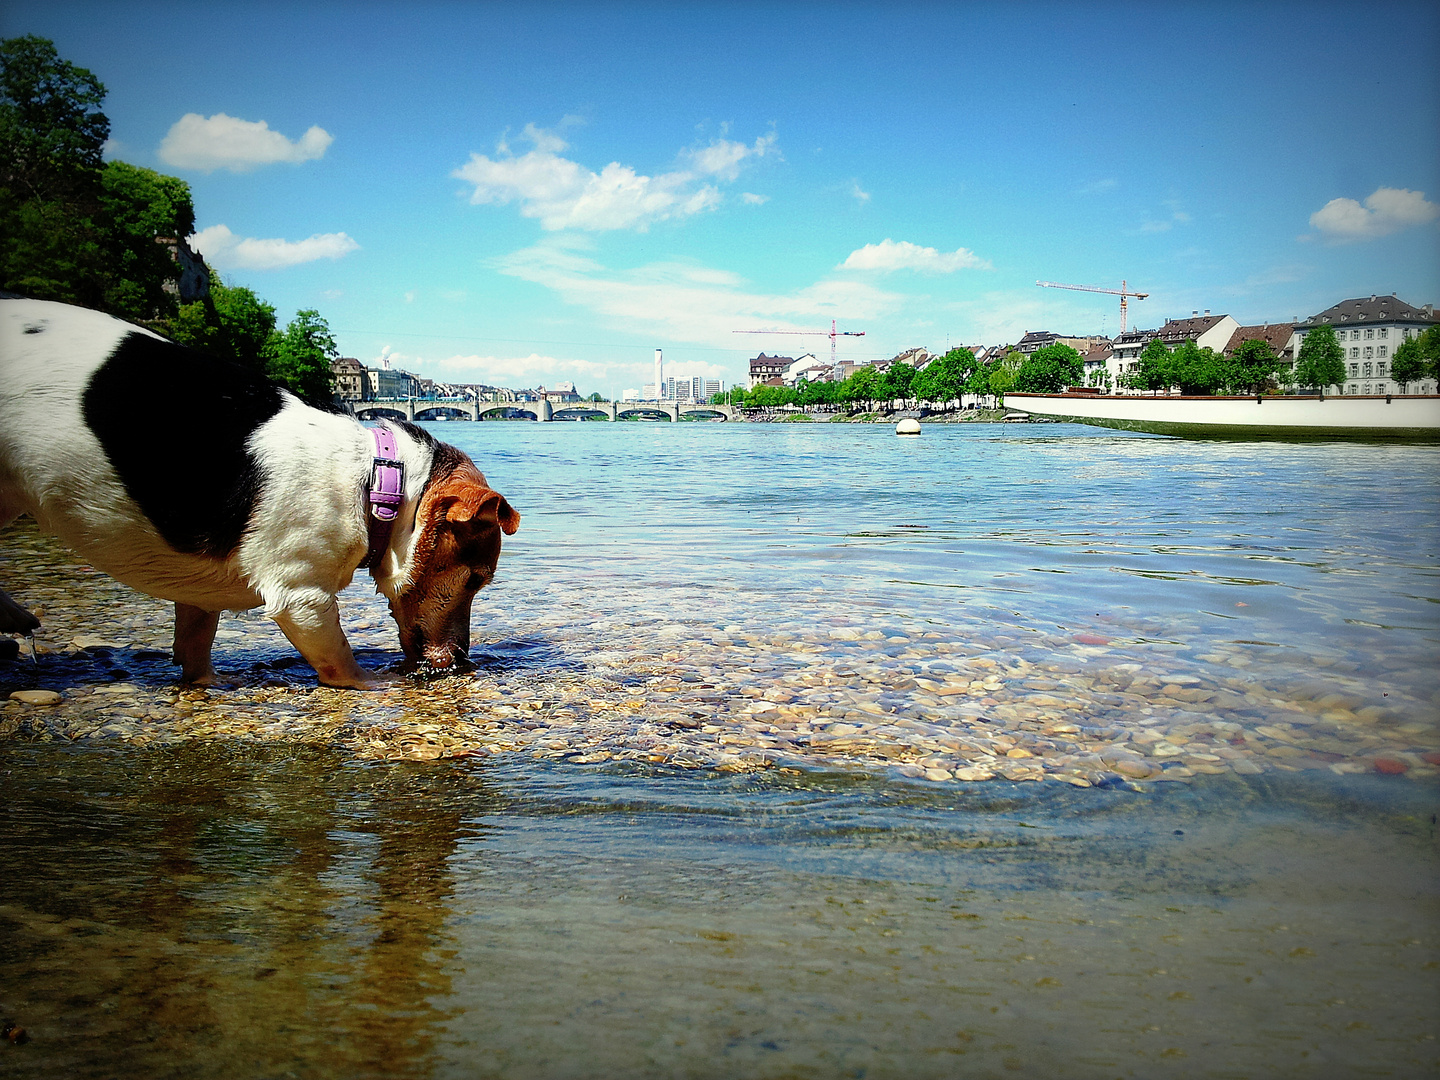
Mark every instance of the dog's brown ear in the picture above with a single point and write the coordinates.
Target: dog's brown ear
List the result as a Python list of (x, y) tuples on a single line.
[(475, 504)]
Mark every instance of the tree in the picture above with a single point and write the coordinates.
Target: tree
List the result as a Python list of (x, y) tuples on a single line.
[(1417, 358), (1152, 370), (1321, 362), (1050, 370), (944, 378), (863, 385), (1197, 371), (1408, 364), (231, 322), (596, 396), (51, 128), (51, 135), (139, 208), (896, 382), (1253, 363), (302, 358)]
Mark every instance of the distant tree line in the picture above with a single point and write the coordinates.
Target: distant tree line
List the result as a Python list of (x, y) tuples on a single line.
[(101, 234), (946, 378)]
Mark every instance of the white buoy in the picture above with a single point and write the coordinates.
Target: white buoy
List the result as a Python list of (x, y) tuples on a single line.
[(908, 426)]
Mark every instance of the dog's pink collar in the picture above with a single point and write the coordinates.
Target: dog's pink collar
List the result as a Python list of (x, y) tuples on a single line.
[(384, 495)]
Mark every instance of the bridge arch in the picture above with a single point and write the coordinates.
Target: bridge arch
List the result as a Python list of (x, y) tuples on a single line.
[(443, 412), (643, 411), (380, 413)]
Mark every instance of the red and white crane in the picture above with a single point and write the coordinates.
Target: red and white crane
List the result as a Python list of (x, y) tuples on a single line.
[(1121, 292), (832, 334)]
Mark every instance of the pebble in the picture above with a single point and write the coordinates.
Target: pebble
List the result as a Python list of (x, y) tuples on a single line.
[(730, 688), (37, 697)]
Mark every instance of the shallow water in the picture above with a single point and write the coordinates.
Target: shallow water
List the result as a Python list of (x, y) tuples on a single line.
[(711, 804), (210, 911)]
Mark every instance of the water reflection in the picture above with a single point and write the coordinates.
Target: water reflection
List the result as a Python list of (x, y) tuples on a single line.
[(221, 911)]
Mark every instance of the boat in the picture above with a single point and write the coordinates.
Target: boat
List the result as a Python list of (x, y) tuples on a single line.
[(1399, 417)]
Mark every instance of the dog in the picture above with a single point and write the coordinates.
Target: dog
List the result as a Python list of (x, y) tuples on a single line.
[(199, 481)]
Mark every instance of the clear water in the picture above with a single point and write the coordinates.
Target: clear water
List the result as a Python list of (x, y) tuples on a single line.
[(230, 907)]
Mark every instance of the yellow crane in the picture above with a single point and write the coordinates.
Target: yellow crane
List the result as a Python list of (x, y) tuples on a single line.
[(1121, 292)]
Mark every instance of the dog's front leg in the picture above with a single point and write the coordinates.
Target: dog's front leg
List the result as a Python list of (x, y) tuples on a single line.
[(194, 636), (323, 644)]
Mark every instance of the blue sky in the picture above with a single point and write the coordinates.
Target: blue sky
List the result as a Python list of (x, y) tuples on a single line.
[(522, 194)]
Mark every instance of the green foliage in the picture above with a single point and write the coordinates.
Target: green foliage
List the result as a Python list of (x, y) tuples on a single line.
[(1417, 358), (1197, 371), (1252, 366), (944, 378), (896, 382), (1050, 370), (51, 133), (1152, 370), (51, 126), (1408, 365), (1321, 362), (140, 207), (232, 322), (72, 228), (302, 358)]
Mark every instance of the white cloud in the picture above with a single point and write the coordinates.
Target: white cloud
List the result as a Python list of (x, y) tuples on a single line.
[(227, 142), (1098, 187), (562, 194), (891, 255), (1385, 211), (858, 193), (687, 302), (224, 250), (749, 198)]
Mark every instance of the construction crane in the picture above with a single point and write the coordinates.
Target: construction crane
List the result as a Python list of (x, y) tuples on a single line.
[(832, 334), (1121, 292)]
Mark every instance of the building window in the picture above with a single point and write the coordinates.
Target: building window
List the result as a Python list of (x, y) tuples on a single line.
[(1355, 351), (1354, 388), (1369, 351), (1366, 390), (1354, 335), (1369, 370), (1380, 351), (1354, 370), (1369, 335), (1380, 369), (1384, 332)]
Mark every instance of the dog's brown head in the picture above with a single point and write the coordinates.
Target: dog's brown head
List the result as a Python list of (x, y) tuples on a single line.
[(457, 543)]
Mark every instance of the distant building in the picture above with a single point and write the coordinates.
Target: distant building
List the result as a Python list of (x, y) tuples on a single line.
[(763, 368), (1281, 338), (563, 393), (390, 384), (1207, 331), (350, 382), (1099, 359), (1370, 331), (1035, 339)]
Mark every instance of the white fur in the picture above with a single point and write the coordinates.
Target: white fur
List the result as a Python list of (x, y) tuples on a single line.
[(307, 533)]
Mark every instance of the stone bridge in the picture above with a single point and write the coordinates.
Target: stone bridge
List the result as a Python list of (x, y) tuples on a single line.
[(542, 411)]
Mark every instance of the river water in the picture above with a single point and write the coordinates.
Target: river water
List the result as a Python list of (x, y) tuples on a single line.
[(793, 750)]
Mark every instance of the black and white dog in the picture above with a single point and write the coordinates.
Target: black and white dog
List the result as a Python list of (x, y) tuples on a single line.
[(198, 481)]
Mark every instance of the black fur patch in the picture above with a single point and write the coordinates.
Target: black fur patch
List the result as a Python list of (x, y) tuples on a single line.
[(174, 423)]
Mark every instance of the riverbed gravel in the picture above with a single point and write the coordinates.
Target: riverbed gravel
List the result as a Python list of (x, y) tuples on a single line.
[(824, 688)]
